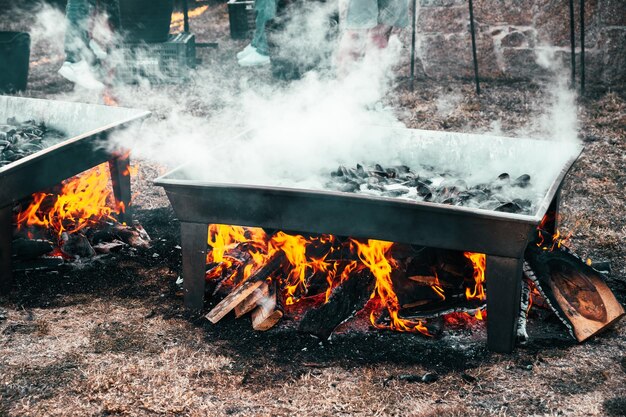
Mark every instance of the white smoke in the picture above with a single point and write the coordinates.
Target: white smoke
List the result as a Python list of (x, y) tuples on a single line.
[(560, 120), (302, 130)]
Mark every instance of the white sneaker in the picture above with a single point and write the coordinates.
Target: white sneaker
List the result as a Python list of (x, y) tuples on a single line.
[(97, 50), (254, 59), (80, 74), (244, 53)]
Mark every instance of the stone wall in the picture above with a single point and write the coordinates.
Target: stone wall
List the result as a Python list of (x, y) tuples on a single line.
[(511, 34)]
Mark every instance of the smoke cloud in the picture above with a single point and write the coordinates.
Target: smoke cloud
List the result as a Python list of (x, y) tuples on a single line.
[(245, 130)]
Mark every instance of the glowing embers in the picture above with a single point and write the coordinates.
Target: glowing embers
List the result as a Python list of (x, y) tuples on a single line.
[(323, 280), (77, 219)]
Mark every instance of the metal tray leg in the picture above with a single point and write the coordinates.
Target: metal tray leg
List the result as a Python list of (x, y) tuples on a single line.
[(6, 239), (193, 238), (504, 283), (118, 167)]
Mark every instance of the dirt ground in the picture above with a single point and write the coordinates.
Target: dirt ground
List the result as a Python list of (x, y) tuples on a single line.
[(110, 337)]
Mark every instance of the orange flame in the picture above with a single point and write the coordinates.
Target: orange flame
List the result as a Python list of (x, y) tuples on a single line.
[(303, 267), (479, 261), (84, 200), (375, 255), (177, 24)]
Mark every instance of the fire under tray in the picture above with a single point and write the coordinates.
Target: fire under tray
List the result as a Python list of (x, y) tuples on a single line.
[(87, 127), (502, 236)]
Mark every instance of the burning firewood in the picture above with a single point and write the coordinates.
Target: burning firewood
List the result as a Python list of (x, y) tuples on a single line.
[(252, 301), (240, 293), (232, 300), (345, 300), (269, 312), (576, 292)]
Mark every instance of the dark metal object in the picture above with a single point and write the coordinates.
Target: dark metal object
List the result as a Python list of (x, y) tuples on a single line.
[(186, 16), (582, 47), (502, 236), (474, 55), (572, 40), (413, 12), (88, 127), (194, 247)]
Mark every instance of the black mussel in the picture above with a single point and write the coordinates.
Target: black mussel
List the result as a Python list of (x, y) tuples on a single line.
[(423, 189), (509, 207), (522, 181), (338, 173), (504, 176), (523, 203), (348, 187)]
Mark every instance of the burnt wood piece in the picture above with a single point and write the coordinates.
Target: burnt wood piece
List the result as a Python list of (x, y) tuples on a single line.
[(345, 300), (193, 238), (269, 312), (6, 241), (31, 248), (411, 293), (504, 284), (233, 299), (119, 168), (576, 292), (38, 264), (522, 334)]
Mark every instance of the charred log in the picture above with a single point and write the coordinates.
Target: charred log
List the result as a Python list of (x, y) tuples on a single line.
[(77, 245), (31, 248), (346, 299)]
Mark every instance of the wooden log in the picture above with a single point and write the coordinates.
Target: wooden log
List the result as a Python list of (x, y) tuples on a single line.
[(269, 312), (240, 293), (345, 300), (252, 301), (232, 300), (576, 292)]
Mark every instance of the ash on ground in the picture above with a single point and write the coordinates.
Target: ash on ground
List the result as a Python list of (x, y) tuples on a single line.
[(21, 139), (426, 183)]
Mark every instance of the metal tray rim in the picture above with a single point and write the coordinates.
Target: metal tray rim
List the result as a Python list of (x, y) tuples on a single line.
[(542, 207)]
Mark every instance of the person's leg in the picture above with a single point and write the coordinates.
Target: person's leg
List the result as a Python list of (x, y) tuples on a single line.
[(360, 16), (259, 51), (379, 36), (76, 38), (265, 11), (78, 59)]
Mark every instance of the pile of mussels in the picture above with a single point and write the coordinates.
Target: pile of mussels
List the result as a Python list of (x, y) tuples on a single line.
[(501, 194), (20, 139)]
